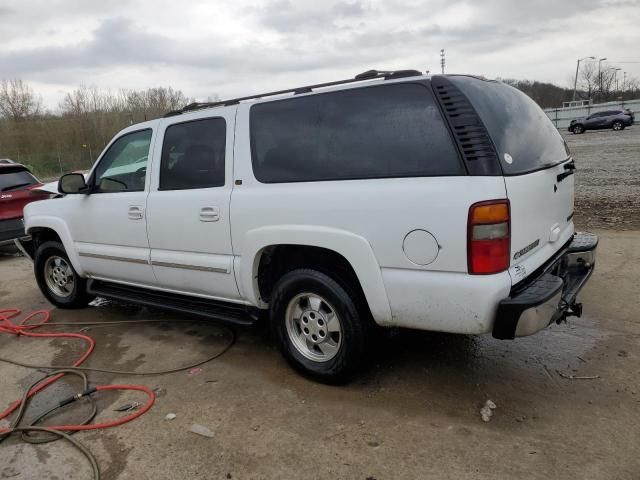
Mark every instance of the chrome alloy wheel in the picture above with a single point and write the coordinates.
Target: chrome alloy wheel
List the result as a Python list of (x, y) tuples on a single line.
[(59, 276), (313, 327)]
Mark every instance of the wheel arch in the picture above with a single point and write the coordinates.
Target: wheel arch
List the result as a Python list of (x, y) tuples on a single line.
[(51, 228), (354, 249)]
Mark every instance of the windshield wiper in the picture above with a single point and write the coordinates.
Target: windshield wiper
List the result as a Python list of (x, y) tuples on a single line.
[(13, 187)]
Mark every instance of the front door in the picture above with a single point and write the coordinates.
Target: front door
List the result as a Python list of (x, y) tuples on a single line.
[(109, 224), (188, 207)]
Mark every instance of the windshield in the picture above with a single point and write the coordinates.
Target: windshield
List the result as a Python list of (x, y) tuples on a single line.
[(16, 179), (524, 137)]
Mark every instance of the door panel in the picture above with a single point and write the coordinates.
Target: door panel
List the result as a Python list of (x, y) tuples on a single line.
[(188, 253), (188, 208), (109, 225)]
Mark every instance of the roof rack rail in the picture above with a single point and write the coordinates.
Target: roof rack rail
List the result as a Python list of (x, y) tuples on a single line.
[(368, 75)]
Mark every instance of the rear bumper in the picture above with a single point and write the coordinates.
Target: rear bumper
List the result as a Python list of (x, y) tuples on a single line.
[(10, 230), (551, 296)]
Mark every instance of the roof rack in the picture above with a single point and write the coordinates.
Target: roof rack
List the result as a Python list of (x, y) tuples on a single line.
[(368, 75)]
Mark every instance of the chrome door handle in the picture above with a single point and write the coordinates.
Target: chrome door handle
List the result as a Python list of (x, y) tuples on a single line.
[(209, 214), (135, 212)]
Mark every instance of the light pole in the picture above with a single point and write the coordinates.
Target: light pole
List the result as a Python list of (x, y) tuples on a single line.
[(615, 72), (624, 82), (600, 74), (575, 81)]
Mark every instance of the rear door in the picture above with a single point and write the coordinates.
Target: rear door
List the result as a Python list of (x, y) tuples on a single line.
[(188, 207), (537, 169)]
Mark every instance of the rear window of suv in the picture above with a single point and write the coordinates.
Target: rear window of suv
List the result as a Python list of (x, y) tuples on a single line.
[(14, 179), (519, 128), (373, 132)]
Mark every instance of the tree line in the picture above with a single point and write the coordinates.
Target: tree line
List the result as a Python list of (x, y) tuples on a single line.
[(71, 137)]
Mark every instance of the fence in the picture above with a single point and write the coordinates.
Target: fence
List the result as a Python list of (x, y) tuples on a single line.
[(562, 116)]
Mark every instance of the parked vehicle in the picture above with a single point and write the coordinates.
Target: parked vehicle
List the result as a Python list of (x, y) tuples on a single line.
[(392, 199), (616, 119), (5, 161), (17, 186)]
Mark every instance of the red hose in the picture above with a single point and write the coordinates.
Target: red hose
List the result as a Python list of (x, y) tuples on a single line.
[(23, 328)]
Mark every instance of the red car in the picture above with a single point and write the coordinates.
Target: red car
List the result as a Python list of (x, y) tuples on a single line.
[(17, 186)]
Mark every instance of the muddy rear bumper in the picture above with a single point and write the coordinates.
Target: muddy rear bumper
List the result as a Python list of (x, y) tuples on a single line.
[(551, 295)]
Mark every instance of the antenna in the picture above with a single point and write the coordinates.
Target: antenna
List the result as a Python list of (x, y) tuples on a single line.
[(442, 61)]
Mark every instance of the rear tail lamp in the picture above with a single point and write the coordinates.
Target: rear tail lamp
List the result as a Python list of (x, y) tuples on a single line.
[(488, 237)]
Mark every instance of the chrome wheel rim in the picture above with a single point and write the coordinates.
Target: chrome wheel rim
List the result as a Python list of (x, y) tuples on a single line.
[(313, 327), (616, 126), (59, 276)]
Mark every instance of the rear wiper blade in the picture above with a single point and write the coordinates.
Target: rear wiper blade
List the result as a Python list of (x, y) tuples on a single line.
[(13, 187), (570, 168), (564, 175)]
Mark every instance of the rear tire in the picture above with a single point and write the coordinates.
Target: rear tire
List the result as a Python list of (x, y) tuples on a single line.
[(57, 279), (617, 125), (317, 326), (577, 129)]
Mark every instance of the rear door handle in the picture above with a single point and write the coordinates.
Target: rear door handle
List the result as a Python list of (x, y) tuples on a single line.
[(209, 214), (135, 212)]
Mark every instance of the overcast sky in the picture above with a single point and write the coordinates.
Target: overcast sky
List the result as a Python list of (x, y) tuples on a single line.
[(248, 46)]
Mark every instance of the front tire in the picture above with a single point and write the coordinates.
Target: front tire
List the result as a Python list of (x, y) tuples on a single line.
[(57, 279), (617, 126), (577, 129), (317, 325)]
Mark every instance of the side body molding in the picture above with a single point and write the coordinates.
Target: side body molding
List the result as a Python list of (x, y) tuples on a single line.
[(354, 248)]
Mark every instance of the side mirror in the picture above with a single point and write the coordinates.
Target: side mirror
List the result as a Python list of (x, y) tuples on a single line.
[(72, 183)]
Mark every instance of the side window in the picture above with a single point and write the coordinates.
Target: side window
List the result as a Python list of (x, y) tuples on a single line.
[(124, 166), (371, 132), (193, 155)]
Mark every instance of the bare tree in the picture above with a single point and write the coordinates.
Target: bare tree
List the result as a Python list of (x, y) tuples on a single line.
[(588, 79), (17, 100)]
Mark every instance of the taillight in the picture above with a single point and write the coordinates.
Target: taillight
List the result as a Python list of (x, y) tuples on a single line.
[(488, 237)]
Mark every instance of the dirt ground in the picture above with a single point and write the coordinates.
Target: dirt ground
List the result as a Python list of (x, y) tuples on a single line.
[(414, 414)]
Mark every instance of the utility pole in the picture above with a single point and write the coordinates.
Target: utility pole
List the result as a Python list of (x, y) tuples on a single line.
[(575, 81), (442, 59)]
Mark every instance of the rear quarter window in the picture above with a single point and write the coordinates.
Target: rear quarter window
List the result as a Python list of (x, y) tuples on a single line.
[(518, 127), (372, 132)]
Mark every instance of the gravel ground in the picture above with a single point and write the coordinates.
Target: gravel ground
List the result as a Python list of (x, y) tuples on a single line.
[(607, 178)]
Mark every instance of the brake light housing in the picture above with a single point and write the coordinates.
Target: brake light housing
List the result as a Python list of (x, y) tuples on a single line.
[(489, 237)]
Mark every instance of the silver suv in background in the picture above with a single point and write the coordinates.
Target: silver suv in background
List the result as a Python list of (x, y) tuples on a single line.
[(616, 119)]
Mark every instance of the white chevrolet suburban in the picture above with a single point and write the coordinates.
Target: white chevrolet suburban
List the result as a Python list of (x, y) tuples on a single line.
[(391, 199)]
